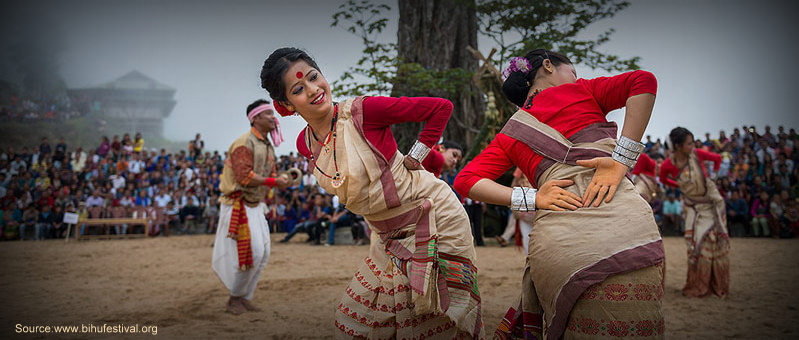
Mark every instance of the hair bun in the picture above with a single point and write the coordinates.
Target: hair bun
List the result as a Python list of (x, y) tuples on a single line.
[(516, 87)]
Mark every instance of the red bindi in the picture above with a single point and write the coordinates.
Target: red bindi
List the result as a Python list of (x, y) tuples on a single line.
[(299, 75)]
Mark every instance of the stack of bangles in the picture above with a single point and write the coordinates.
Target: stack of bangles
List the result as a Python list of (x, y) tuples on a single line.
[(522, 199), (270, 182), (627, 151), (419, 151)]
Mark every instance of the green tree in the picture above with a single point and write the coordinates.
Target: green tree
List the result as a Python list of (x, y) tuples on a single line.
[(436, 54), (518, 26), (374, 72)]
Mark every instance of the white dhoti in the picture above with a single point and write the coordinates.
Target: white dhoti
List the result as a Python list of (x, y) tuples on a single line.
[(525, 228), (226, 257)]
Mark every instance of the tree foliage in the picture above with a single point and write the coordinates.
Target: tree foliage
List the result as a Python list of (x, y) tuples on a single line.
[(378, 63), (518, 26), (515, 26)]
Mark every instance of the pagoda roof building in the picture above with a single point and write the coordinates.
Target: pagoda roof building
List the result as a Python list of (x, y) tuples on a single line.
[(131, 103)]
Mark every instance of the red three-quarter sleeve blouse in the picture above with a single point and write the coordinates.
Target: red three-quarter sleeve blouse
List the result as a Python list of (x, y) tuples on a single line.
[(379, 113), (567, 108)]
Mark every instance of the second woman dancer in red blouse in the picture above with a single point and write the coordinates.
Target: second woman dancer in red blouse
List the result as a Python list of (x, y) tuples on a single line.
[(595, 271)]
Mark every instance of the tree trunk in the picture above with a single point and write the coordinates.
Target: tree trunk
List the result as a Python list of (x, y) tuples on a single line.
[(435, 34)]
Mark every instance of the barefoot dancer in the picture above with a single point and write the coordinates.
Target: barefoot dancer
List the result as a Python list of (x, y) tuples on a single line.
[(419, 278), (705, 216), (241, 248), (593, 272)]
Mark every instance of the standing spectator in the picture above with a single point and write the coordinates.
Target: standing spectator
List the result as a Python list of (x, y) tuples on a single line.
[(45, 222), (792, 215), (779, 227), (138, 143), (196, 147), (672, 214), (211, 213), (475, 210), (737, 214), (60, 151), (116, 148), (760, 214), (78, 160), (763, 149), (104, 148), (29, 217), (44, 148), (10, 224), (649, 143)]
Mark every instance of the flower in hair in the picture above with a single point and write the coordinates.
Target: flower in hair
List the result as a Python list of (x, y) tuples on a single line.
[(517, 64)]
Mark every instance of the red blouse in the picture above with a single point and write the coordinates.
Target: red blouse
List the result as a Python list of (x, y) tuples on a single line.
[(645, 165), (379, 113), (434, 162), (668, 169), (567, 108)]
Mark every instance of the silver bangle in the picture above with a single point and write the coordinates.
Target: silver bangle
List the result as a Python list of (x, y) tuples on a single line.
[(522, 199), (630, 144), (627, 151), (419, 151), (628, 162)]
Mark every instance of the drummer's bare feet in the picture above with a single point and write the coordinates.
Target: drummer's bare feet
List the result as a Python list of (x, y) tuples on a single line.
[(235, 305), (248, 304)]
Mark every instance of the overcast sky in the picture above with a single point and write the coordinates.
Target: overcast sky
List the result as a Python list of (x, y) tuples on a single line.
[(719, 64)]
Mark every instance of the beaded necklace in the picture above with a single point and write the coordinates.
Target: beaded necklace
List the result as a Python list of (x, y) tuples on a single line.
[(336, 180)]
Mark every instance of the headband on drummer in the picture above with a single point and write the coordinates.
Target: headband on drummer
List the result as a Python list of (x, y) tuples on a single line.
[(276, 133), (261, 108)]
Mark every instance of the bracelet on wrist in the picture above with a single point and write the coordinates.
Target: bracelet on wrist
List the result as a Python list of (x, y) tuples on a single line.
[(419, 151), (523, 199), (627, 151)]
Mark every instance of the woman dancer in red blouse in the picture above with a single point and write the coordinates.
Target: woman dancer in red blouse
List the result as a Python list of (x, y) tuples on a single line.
[(644, 180), (705, 216), (595, 271), (419, 279)]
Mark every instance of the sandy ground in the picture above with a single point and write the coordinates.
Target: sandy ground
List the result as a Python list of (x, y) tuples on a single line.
[(168, 283)]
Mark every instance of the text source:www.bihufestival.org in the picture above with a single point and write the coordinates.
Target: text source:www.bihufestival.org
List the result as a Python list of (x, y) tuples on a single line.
[(86, 329)]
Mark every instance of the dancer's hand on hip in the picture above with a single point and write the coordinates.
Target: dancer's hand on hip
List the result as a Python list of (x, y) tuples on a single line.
[(552, 196), (607, 177), (411, 163)]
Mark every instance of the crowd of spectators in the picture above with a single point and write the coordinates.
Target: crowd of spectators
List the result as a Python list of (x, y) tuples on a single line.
[(26, 109), (757, 178), (39, 184)]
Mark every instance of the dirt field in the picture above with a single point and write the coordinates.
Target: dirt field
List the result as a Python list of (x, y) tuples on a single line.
[(168, 283)]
